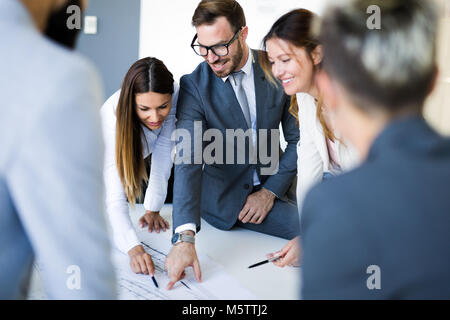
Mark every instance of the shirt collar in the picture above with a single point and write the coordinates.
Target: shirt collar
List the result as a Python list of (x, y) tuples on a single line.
[(247, 68), (148, 131)]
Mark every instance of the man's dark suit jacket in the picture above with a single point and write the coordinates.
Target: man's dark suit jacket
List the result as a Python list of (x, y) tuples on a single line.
[(218, 192), (392, 212)]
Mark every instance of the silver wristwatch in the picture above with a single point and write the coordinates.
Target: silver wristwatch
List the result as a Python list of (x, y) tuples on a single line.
[(181, 237)]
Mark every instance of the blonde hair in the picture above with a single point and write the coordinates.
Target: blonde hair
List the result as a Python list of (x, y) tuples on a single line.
[(295, 27)]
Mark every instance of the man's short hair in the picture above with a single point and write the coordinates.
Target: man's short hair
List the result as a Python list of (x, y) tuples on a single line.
[(209, 10), (392, 67)]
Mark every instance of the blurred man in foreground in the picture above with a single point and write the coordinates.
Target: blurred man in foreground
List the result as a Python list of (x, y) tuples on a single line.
[(380, 231), (51, 187)]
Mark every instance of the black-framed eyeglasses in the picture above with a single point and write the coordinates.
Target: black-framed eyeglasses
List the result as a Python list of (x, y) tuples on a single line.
[(220, 50)]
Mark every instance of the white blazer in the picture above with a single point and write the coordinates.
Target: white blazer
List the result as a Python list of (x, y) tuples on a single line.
[(159, 144), (313, 159)]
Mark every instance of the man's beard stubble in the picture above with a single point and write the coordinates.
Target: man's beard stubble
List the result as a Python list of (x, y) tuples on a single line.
[(57, 29), (235, 60)]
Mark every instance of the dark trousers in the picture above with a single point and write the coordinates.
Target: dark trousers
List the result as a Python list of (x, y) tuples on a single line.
[(282, 221)]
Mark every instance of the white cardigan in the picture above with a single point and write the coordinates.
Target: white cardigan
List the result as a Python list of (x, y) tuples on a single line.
[(312, 150), (157, 143)]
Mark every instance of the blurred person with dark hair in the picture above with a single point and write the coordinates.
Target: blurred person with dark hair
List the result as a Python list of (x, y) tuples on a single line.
[(138, 122), (51, 190), (380, 231)]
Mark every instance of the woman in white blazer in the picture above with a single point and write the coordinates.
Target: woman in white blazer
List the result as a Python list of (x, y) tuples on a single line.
[(321, 155), (138, 121), (293, 57)]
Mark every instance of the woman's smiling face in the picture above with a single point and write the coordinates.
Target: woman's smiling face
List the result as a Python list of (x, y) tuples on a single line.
[(291, 65), (153, 108)]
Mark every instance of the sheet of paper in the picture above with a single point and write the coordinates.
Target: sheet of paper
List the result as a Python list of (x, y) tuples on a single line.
[(216, 283)]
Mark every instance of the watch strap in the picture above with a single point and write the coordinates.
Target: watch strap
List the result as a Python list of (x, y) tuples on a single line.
[(186, 238)]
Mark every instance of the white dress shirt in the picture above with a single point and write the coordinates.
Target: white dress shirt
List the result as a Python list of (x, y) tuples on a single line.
[(313, 156), (159, 144), (248, 82)]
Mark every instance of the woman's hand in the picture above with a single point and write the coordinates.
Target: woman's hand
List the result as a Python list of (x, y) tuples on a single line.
[(289, 255), (153, 220), (140, 261)]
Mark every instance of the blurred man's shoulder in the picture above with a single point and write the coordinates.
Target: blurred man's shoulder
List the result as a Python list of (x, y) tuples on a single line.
[(64, 62), (60, 71), (342, 193)]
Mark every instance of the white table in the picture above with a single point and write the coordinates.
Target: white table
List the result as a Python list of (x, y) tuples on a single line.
[(238, 248), (235, 250)]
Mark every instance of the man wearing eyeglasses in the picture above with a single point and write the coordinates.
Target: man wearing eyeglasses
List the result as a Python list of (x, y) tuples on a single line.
[(229, 91)]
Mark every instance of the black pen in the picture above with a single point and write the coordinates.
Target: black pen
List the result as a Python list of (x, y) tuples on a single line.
[(154, 281), (264, 262), (185, 285)]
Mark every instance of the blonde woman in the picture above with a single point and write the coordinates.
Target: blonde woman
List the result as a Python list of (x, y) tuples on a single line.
[(138, 121), (293, 56)]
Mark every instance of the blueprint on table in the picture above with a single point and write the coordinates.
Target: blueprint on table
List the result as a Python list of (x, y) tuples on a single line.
[(216, 283)]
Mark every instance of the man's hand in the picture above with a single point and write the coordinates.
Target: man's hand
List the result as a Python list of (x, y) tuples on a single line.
[(153, 220), (289, 255), (140, 261), (257, 206), (181, 256)]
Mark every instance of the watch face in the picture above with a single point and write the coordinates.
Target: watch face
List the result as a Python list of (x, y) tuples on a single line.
[(175, 237)]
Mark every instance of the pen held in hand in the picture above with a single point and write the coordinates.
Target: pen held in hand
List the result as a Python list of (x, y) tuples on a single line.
[(264, 262)]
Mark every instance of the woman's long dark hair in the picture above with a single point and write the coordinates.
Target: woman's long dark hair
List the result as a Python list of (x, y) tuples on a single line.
[(145, 75)]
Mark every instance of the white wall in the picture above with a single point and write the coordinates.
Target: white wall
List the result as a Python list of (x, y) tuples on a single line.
[(437, 110), (166, 32)]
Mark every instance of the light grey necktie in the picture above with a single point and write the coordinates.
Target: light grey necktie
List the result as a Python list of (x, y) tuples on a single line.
[(242, 97)]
